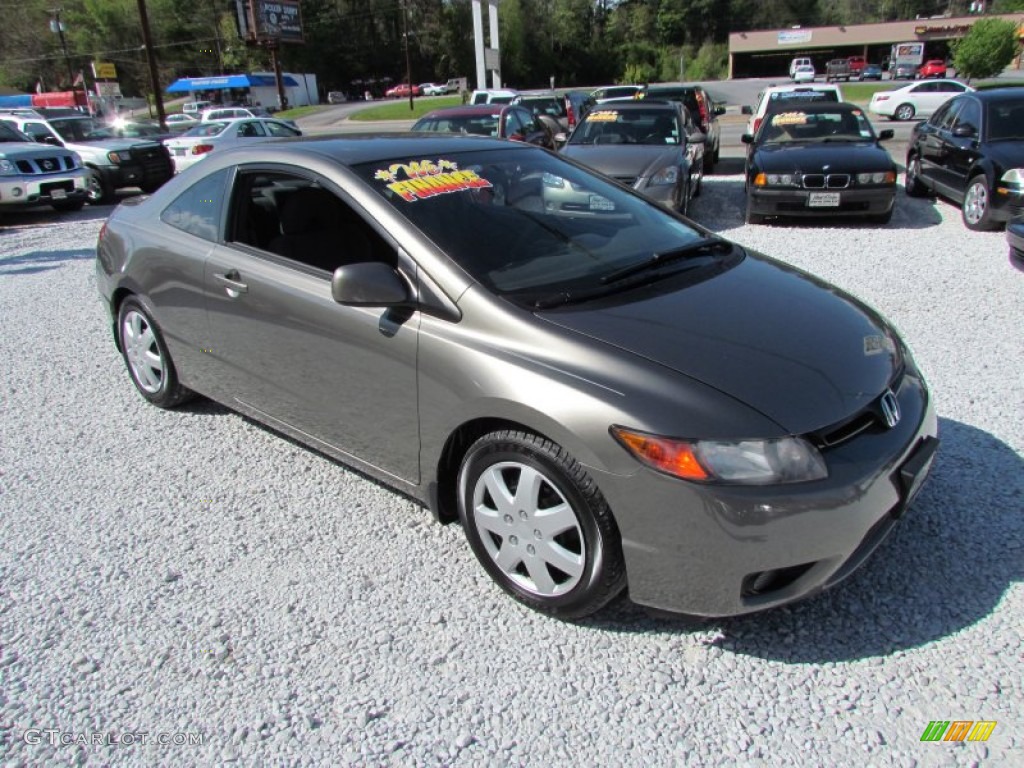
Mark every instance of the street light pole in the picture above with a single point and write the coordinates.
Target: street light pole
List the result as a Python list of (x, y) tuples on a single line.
[(408, 62)]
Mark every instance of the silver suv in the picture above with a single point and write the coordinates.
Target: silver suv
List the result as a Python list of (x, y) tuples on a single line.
[(35, 174), (113, 163)]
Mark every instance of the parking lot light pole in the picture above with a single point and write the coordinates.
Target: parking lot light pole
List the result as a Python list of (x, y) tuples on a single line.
[(57, 26), (154, 78)]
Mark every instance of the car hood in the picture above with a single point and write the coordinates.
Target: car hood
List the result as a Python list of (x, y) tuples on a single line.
[(623, 159), (33, 149), (113, 144), (798, 350), (844, 157)]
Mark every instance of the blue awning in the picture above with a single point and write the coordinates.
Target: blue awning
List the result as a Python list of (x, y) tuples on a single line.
[(186, 84)]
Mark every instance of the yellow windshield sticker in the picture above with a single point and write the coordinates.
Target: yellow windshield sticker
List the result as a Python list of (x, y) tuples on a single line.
[(603, 116), (790, 118), (420, 179)]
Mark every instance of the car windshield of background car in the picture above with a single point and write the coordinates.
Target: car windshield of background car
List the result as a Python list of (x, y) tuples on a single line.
[(476, 125), (83, 129), (632, 126), (206, 129), (9, 133), (527, 224), (818, 125)]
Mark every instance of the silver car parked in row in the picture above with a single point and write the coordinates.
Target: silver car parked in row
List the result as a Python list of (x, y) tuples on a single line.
[(603, 395)]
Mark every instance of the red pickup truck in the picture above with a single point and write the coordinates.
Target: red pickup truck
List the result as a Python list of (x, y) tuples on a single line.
[(857, 64)]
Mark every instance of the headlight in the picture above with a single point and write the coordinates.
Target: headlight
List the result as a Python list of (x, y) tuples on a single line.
[(115, 158), (880, 177), (669, 175), (7, 168), (1014, 176), (776, 180), (740, 462)]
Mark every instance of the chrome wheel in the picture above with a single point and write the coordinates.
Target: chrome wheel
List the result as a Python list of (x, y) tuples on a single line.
[(904, 112), (529, 529), (912, 182), (976, 203), (142, 352)]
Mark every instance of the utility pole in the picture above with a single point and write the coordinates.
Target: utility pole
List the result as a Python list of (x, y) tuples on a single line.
[(57, 26), (154, 78), (408, 61)]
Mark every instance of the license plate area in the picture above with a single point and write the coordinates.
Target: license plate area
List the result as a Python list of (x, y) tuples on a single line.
[(823, 200)]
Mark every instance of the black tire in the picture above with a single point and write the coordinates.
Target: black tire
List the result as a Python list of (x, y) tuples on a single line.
[(912, 183), (976, 209), (99, 192), (145, 354), (69, 205), (583, 538), (905, 112), (710, 158)]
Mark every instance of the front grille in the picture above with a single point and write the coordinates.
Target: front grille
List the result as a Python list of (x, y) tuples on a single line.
[(826, 181), (39, 165), (868, 418), (155, 162)]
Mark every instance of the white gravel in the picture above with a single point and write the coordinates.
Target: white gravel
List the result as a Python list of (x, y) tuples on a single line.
[(193, 575)]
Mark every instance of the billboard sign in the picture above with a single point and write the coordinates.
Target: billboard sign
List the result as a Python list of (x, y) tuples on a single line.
[(279, 20)]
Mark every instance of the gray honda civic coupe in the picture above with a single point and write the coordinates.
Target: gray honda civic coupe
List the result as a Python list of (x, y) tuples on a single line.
[(605, 394)]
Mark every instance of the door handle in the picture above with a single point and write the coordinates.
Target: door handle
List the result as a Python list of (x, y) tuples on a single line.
[(232, 281)]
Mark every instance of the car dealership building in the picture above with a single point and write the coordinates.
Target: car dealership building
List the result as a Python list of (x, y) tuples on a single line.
[(767, 53)]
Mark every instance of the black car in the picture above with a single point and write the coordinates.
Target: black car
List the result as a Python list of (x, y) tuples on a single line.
[(703, 110), (819, 159), (972, 151)]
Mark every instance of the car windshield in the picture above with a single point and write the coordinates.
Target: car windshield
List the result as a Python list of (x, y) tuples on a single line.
[(543, 105), (1005, 120), (478, 125), (527, 224), (125, 131), (814, 124), (628, 126), (7, 133), (80, 129)]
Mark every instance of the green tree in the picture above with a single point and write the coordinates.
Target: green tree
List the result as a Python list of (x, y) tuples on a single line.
[(986, 49)]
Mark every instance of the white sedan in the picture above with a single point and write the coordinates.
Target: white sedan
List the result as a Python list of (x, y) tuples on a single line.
[(918, 99), (433, 89), (196, 143)]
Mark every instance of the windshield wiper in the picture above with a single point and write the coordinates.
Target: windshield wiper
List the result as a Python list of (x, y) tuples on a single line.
[(704, 246)]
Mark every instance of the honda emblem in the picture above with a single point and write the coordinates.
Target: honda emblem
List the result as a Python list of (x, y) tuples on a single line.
[(890, 409)]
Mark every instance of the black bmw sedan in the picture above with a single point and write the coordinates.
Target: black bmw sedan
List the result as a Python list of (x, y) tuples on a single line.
[(972, 151), (819, 159)]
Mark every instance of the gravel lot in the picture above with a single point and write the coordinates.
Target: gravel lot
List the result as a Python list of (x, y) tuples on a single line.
[(192, 575)]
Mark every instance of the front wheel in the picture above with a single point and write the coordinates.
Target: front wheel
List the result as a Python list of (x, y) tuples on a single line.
[(977, 206), (68, 205), (912, 179), (98, 190), (145, 353), (905, 112), (539, 525)]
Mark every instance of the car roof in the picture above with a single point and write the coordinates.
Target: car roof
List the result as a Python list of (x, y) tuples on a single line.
[(1003, 93), (629, 105)]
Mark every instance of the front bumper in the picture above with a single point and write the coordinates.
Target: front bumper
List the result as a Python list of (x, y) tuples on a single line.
[(147, 173), (1015, 237), (727, 550), (852, 201), (1007, 202), (28, 190)]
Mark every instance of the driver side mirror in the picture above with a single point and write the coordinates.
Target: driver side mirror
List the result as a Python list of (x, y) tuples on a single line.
[(368, 284), (52, 140), (746, 109), (965, 131), (747, 138)]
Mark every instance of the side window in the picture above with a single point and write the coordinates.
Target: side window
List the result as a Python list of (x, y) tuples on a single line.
[(250, 128), (197, 210), (514, 123), (295, 217), (970, 115), (37, 131), (949, 117)]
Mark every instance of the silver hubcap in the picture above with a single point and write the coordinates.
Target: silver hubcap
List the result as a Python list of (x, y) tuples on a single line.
[(95, 189), (975, 203), (912, 172), (529, 529), (142, 352), (904, 113)]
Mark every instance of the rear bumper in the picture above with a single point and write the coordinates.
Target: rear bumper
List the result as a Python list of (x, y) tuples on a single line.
[(797, 202), (28, 190)]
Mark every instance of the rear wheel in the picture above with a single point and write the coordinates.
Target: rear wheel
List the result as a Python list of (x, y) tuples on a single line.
[(539, 525), (977, 206), (905, 112), (145, 353)]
